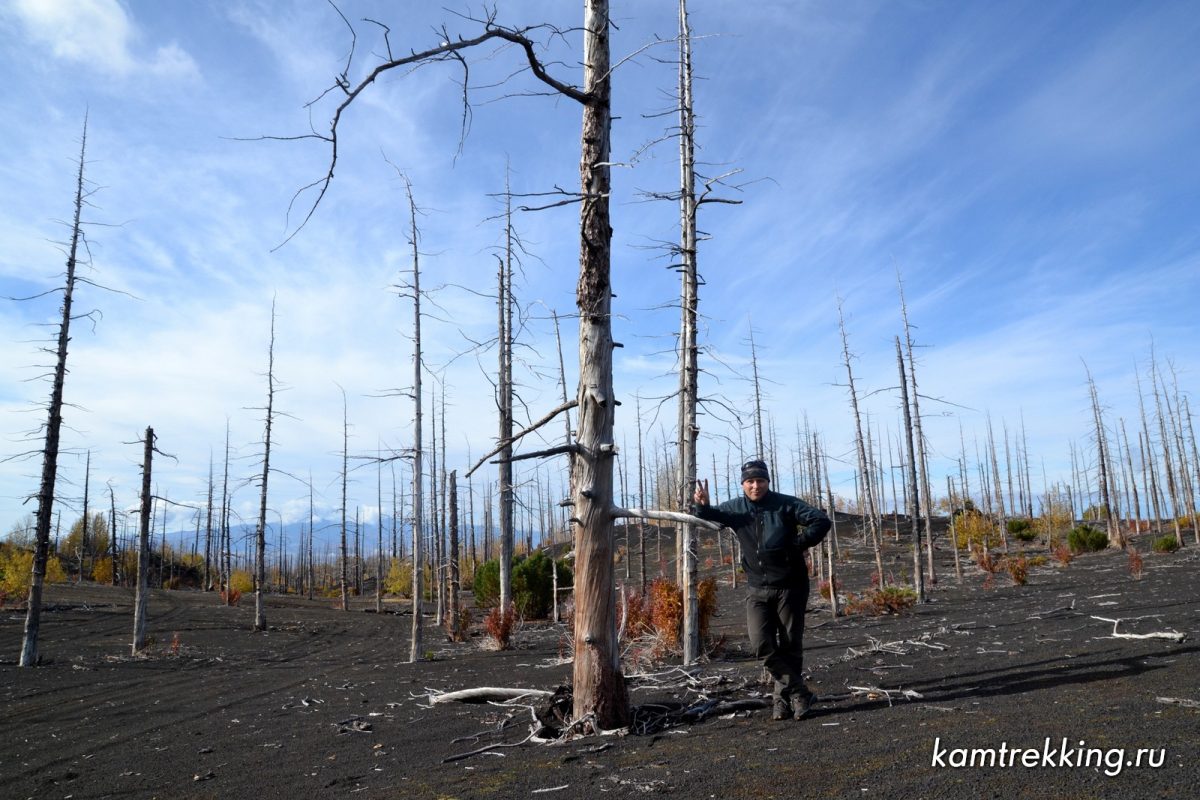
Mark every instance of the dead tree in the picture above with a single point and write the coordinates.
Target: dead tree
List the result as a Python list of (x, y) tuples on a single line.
[(688, 348), (45, 496), (260, 542), (599, 687), (759, 441), (911, 477), (504, 402), (453, 623), (418, 520), (141, 592), (345, 590), (1114, 533), (114, 551), (379, 535), (864, 469)]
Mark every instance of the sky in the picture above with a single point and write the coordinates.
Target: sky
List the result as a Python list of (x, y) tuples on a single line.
[(1030, 170)]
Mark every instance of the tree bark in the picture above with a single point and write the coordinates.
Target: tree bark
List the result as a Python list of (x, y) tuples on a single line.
[(911, 476), (260, 543), (688, 347), (599, 686), (418, 521), (33, 611), (141, 592)]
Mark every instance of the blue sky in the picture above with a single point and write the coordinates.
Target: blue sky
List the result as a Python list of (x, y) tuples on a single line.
[(1030, 168)]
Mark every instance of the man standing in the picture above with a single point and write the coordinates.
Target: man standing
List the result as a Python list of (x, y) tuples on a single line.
[(774, 530)]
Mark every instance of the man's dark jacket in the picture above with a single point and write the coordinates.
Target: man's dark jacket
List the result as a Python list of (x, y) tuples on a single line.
[(774, 532)]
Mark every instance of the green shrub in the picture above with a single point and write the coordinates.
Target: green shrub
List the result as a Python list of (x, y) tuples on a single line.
[(1021, 529), (1165, 544), (487, 584), (532, 584), (1086, 539)]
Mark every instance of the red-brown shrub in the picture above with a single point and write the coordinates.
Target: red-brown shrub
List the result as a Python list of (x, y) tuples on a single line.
[(666, 613), (500, 625), (1136, 563)]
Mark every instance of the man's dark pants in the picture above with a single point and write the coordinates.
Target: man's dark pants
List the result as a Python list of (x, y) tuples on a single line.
[(775, 622)]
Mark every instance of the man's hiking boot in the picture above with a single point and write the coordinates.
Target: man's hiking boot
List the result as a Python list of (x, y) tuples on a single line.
[(802, 704), (780, 709)]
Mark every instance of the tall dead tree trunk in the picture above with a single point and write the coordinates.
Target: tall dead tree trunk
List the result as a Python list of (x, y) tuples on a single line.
[(418, 517), (83, 531), (207, 585), (225, 556), (379, 535), (599, 686), (311, 532), (599, 689), (1114, 533), (453, 623), (114, 551), (759, 441), (864, 469), (504, 402), (260, 542), (688, 346), (45, 496), (141, 593), (344, 584), (911, 476), (641, 468)]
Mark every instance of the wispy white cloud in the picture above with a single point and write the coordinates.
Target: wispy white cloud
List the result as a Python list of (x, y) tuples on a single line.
[(101, 35)]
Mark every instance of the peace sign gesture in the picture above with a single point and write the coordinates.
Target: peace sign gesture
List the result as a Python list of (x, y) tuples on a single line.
[(700, 496)]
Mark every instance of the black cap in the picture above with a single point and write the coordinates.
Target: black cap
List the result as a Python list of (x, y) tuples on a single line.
[(755, 469)]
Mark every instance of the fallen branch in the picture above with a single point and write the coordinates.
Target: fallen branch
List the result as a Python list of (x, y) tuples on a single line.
[(874, 693), (461, 756), (484, 694), (1174, 636), (1052, 611), (1179, 701)]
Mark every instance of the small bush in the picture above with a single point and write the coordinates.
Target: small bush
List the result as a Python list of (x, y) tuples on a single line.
[(1165, 544), (1086, 539), (666, 614), (636, 615), (1037, 561), (487, 584), (231, 597), (532, 584), (16, 572), (1062, 554), (1018, 569), (706, 600), (823, 587), (1136, 563), (102, 570), (457, 629), (241, 581), (973, 529), (888, 600), (986, 561), (399, 579), (500, 625), (1021, 529)]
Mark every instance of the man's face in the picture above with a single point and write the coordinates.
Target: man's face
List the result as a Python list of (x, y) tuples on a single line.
[(755, 488)]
